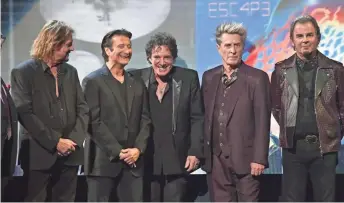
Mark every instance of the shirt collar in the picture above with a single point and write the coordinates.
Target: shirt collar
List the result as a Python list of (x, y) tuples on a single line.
[(46, 67), (313, 61), (168, 77)]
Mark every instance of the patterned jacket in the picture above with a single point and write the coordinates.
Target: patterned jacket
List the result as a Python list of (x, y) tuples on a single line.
[(329, 101)]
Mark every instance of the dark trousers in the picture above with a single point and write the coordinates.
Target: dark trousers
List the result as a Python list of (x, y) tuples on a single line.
[(59, 183), (227, 186), (4, 183), (303, 160), (168, 188), (124, 188)]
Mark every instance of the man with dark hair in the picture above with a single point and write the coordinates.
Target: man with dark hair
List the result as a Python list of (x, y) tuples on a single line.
[(308, 103), (9, 134), (119, 124), (54, 115), (177, 116)]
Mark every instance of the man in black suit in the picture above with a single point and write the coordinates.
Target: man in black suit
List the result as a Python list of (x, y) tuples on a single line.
[(119, 124), (177, 115), (9, 134), (54, 115)]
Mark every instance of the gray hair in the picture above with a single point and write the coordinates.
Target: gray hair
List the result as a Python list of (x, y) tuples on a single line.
[(302, 20), (230, 28), (162, 39)]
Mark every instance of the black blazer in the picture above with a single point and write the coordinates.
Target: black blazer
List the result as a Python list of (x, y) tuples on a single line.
[(187, 117), (41, 129), (8, 146), (111, 127)]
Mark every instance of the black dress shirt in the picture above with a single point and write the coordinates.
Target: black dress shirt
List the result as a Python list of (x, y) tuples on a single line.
[(306, 119)]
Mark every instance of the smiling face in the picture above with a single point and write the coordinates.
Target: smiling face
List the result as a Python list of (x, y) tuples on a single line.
[(161, 60), (305, 39), (121, 51), (231, 49)]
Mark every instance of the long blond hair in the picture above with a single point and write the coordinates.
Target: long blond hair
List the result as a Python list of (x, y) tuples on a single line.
[(53, 34)]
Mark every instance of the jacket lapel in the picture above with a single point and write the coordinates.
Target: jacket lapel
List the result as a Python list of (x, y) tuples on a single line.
[(290, 73), (146, 76), (322, 75), (212, 92), (176, 89), (236, 90), (109, 81), (130, 90)]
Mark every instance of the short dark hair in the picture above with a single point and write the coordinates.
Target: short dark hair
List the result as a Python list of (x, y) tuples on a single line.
[(107, 40), (302, 20), (162, 39)]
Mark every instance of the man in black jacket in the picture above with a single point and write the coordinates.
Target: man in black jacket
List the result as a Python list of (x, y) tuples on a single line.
[(54, 115), (9, 134), (119, 124), (177, 115)]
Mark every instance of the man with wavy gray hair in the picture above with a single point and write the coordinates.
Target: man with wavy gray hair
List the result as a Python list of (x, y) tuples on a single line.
[(53, 114), (177, 117), (237, 120)]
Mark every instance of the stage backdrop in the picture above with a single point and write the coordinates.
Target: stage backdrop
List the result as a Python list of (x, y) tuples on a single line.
[(193, 24)]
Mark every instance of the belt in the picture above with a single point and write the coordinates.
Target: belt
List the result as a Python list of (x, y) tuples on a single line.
[(311, 139)]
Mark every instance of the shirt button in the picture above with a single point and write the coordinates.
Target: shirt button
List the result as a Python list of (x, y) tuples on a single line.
[(221, 144), (222, 104), (221, 124), (221, 134), (221, 114), (61, 109)]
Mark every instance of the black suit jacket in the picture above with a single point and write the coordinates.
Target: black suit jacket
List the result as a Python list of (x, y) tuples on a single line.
[(41, 129), (111, 127), (187, 121), (9, 119)]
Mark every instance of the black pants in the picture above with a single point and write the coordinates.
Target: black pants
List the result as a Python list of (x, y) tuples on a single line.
[(168, 188), (59, 183), (305, 159), (124, 188), (4, 183)]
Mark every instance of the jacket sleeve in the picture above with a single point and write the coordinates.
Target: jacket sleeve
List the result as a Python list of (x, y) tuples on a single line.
[(22, 97), (340, 95), (98, 131), (197, 119), (262, 118), (79, 132)]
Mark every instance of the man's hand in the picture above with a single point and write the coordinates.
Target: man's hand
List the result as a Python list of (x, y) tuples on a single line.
[(130, 155), (191, 163), (257, 169), (65, 146), (123, 155)]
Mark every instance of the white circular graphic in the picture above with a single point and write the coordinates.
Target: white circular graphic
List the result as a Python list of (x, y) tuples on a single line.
[(84, 62), (92, 19)]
